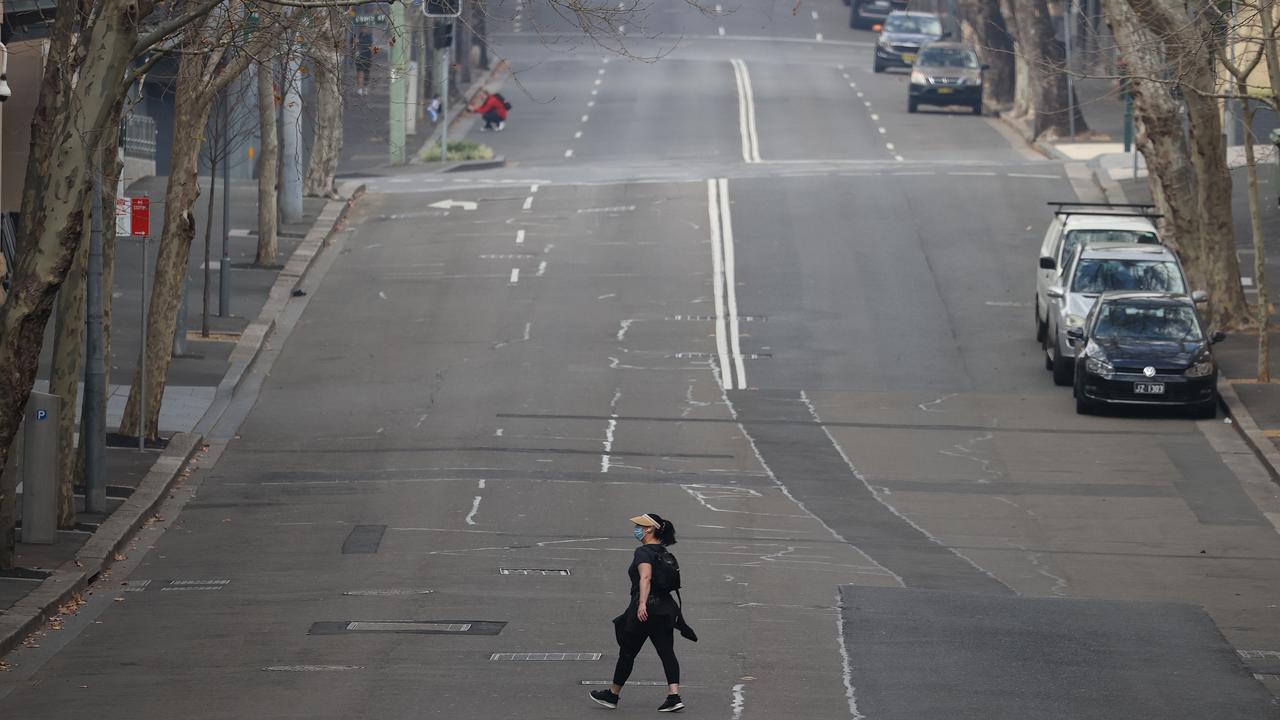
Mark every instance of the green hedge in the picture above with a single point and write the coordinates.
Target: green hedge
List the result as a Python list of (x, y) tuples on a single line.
[(459, 150)]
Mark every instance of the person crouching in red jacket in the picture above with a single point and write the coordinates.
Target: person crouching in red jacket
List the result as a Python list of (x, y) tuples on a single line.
[(493, 110)]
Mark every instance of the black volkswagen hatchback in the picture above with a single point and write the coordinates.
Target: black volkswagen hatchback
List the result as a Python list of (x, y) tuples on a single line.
[(1144, 348)]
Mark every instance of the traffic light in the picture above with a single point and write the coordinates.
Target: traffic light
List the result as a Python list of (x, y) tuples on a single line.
[(443, 37), (442, 8)]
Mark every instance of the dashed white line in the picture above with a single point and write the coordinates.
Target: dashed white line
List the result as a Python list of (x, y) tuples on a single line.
[(595, 92), (480, 485), (591, 103), (542, 268), (899, 158), (814, 14), (888, 146), (515, 275), (720, 30), (875, 117), (568, 153), (520, 237), (586, 118), (868, 103), (528, 328), (739, 698), (972, 174), (577, 135), (600, 71), (1035, 176), (475, 508), (528, 203), (533, 189), (818, 37), (598, 81), (882, 130)]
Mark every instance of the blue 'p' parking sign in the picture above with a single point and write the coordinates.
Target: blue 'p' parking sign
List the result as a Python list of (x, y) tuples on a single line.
[(42, 414)]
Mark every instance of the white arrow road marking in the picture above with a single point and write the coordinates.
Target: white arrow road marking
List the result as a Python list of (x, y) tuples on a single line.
[(451, 204)]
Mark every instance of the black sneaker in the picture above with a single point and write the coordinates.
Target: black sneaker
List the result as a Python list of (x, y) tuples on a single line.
[(673, 704), (606, 698)]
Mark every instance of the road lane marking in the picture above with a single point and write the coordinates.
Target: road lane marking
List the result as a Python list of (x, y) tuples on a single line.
[(601, 71), (533, 188), (586, 118), (717, 266), (568, 153), (720, 30), (814, 14), (972, 174), (598, 81), (591, 103), (1035, 176), (730, 281), (515, 275), (746, 112), (528, 203), (882, 130), (520, 237), (899, 158), (818, 37), (875, 117), (475, 508), (577, 135), (595, 92), (739, 697), (542, 268), (611, 427)]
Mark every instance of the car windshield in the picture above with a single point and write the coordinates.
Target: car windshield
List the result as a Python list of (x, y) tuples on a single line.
[(1077, 237), (1101, 275), (913, 24), (949, 58), (1147, 322)]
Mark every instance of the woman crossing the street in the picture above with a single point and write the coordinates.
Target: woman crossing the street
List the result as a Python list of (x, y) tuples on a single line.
[(653, 613)]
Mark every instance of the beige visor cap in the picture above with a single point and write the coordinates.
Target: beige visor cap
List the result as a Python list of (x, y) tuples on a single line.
[(645, 521)]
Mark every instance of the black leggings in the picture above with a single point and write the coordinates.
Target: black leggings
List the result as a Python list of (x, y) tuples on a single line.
[(660, 630), (491, 118)]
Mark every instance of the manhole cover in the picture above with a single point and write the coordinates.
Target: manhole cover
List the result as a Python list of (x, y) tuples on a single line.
[(408, 627), (532, 571), (544, 657)]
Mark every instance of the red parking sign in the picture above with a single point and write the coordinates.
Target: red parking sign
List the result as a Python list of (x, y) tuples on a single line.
[(140, 217)]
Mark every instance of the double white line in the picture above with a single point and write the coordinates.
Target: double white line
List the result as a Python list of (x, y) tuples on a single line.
[(726, 296), (746, 112)]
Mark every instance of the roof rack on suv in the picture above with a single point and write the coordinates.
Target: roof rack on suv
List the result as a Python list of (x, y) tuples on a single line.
[(1117, 209)]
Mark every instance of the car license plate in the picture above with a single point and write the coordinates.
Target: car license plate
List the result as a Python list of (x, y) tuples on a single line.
[(908, 57), (1148, 388), (944, 91)]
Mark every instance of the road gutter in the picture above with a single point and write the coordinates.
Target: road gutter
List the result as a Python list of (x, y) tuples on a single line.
[(101, 550)]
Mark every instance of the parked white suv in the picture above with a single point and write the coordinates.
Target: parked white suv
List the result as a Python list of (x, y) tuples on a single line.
[(1078, 223)]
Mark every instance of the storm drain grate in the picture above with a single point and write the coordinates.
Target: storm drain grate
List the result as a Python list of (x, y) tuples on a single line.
[(408, 627), (194, 585), (532, 571), (641, 683), (136, 585), (544, 657), (389, 592), (311, 668)]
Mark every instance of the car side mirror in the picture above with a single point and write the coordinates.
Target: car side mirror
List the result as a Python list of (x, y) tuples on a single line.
[(1217, 337), (1056, 292), (1076, 334), (1047, 263), (1200, 296)]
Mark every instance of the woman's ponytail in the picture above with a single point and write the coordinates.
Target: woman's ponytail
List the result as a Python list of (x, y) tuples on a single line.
[(666, 532)]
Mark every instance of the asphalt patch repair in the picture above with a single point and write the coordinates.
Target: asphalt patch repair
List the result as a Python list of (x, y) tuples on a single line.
[(936, 654)]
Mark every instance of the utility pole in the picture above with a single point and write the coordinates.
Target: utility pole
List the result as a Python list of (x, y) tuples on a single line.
[(1068, 22), (224, 268), (291, 141), (399, 61), (445, 10), (95, 371)]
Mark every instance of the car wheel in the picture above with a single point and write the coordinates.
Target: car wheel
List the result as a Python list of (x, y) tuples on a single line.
[(878, 67), (912, 105), (1042, 327), (1063, 367), (1206, 410)]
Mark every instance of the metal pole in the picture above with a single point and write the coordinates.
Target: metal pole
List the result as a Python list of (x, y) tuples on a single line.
[(444, 102), (1071, 86), (291, 141), (142, 357), (95, 371), (399, 56), (224, 268)]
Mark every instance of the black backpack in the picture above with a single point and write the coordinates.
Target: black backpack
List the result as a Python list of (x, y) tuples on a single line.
[(666, 572), (502, 100)]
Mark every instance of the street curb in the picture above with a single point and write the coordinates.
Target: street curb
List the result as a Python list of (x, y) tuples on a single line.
[(1253, 436), (434, 137), (257, 332), (73, 576), (469, 165), (1024, 132)]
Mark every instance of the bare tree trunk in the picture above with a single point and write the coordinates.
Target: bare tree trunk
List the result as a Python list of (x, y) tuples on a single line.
[(327, 147), (213, 142), (480, 11), (53, 207), (1157, 115), (192, 104), (986, 27), (268, 168), (1046, 65), (1259, 241), (65, 374)]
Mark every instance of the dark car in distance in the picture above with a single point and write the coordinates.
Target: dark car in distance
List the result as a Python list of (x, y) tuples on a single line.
[(1145, 348), (865, 13), (902, 35), (946, 74)]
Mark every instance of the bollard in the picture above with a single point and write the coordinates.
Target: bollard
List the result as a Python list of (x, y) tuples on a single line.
[(40, 470)]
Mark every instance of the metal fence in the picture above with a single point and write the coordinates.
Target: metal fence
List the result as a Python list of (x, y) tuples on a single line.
[(140, 137)]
